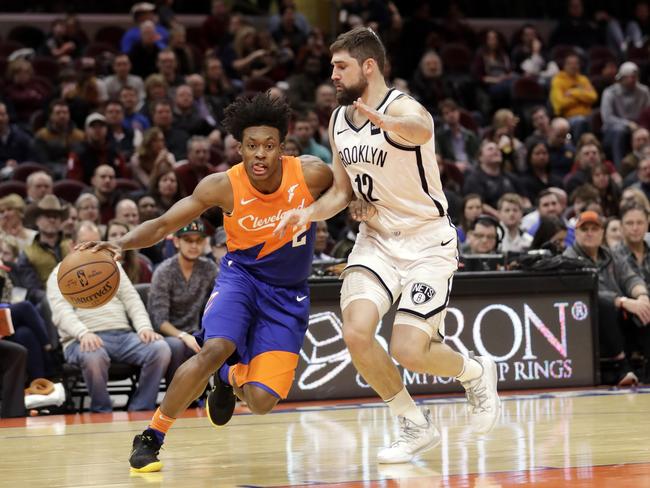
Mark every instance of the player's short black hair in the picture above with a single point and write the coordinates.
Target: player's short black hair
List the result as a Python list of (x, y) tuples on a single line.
[(260, 110)]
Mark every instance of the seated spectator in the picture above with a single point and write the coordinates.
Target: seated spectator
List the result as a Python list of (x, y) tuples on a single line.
[(572, 95), (483, 236), (164, 187), (548, 205), (643, 177), (551, 235), (126, 211), (156, 90), (143, 12), (92, 338), (587, 157), (429, 85), (472, 207), (488, 179), (640, 140), (182, 50), (613, 233), (322, 243), (12, 213), (289, 31), (124, 139), (541, 124), (219, 89), (26, 94), (88, 92), (575, 28), (175, 310), (208, 108), (637, 30), (13, 362), (137, 266), (70, 223), (610, 192), (580, 199), (96, 150), (292, 147), (325, 103), (167, 66), (512, 150), (54, 142), (621, 107), (560, 148), (622, 295), (15, 143), (634, 195), (87, 206), (347, 238), (515, 239), (303, 84), (304, 132), (58, 45), (151, 154), (30, 331), (148, 208), (197, 166), (37, 260), (453, 141), (144, 52), (122, 77), (175, 139), (131, 102), (538, 176), (103, 186), (528, 56), (39, 184), (492, 67), (186, 115)]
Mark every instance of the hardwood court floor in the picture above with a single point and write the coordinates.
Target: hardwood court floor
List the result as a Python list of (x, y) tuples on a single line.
[(588, 438)]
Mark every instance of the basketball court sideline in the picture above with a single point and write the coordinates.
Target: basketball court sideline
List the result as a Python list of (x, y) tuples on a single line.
[(562, 438)]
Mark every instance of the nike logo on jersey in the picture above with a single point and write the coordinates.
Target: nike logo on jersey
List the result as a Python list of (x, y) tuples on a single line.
[(341, 131), (246, 202), (300, 299), (445, 243)]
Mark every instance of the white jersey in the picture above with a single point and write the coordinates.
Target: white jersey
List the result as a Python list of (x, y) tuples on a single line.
[(402, 182)]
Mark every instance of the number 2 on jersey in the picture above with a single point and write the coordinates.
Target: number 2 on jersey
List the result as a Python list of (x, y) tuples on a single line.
[(364, 185), (300, 237)]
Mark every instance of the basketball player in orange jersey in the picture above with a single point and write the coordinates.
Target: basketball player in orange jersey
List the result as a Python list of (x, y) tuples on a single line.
[(255, 320), (383, 147)]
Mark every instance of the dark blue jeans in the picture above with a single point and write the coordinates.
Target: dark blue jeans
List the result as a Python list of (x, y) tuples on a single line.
[(31, 333)]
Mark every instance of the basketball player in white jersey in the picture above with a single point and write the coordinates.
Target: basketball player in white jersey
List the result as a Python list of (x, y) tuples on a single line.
[(407, 246)]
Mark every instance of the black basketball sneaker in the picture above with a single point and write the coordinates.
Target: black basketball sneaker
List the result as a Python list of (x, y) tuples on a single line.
[(144, 456), (221, 402)]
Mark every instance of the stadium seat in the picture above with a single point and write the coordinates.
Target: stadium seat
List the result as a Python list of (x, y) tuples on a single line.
[(110, 34), (95, 49), (46, 67), (7, 47), (127, 185), (28, 35), (26, 168), (456, 58), (13, 186), (68, 190)]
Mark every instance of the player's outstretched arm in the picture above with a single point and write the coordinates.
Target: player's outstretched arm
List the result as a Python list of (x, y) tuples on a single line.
[(213, 191), (405, 117)]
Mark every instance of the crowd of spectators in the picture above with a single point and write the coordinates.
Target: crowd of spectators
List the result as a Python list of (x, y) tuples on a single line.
[(531, 133)]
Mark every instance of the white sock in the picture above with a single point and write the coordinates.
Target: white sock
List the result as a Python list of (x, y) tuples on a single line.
[(472, 369), (403, 405)]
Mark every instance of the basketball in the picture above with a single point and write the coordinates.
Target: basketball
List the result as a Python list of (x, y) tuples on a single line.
[(88, 279)]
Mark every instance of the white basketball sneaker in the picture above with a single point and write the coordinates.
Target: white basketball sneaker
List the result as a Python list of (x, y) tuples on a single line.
[(413, 440), (483, 397)]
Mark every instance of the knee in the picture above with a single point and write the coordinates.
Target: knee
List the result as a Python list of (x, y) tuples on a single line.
[(357, 336), (259, 401), (159, 351), (407, 356), (214, 353), (95, 361)]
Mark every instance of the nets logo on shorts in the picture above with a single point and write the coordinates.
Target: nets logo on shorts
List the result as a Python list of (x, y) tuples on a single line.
[(421, 293)]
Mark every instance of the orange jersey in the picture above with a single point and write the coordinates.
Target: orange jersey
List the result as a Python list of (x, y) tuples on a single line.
[(280, 261)]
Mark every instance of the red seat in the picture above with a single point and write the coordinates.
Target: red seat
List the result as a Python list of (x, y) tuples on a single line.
[(110, 34), (528, 90), (28, 35), (13, 186), (7, 47), (26, 168), (68, 190), (46, 67), (127, 185), (95, 49), (456, 58)]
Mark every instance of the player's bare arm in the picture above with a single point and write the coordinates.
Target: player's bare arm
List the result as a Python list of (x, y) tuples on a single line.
[(332, 202), (318, 175), (213, 191), (405, 118)]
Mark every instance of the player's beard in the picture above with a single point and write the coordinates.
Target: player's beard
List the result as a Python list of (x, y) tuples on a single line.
[(349, 94)]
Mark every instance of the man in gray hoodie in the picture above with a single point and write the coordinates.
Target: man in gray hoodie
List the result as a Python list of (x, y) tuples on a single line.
[(622, 294)]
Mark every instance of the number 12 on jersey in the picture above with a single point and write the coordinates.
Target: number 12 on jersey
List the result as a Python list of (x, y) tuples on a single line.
[(365, 187)]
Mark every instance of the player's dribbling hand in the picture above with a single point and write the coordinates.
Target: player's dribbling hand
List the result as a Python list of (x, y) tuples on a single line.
[(111, 247), (361, 211), (296, 218)]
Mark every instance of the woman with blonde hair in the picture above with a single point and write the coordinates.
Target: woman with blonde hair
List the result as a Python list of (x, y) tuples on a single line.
[(151, 154), (12, 212)]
